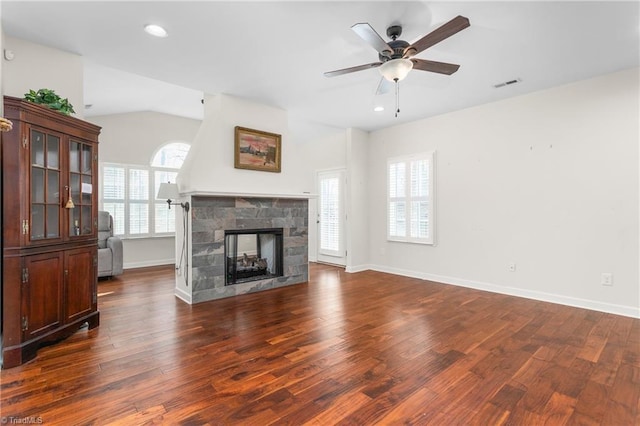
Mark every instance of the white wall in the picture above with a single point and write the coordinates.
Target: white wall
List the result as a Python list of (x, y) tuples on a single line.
[(38, 67), (547, 180), (210, 163), (357, 201), (134, 138)]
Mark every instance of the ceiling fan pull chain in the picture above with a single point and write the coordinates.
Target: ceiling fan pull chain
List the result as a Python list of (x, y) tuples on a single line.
[(397, 97)]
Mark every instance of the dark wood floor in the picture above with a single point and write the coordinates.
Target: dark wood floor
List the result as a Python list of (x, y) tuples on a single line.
[(352, 349)]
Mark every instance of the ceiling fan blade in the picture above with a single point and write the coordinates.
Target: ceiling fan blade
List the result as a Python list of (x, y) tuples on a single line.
[(368, 34), (433, 66), (455, 25), (352, 69), (384, 86)]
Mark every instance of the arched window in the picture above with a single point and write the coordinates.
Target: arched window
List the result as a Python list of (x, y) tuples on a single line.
[(129, 192), (171, 155)]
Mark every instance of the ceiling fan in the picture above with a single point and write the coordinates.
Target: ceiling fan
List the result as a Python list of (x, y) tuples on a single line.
[(396, 57)]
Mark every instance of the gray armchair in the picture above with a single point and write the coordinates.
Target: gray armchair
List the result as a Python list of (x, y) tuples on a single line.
[(109, 247)]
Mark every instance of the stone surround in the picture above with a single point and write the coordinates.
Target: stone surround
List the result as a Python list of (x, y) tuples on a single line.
[(211, 215)]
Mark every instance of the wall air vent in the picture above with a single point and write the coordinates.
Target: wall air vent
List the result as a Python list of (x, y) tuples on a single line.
[(507, 83)]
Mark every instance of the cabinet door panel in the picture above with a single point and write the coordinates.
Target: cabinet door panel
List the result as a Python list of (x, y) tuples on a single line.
[(37, 185), (83, 184), (42, 301), (53, 186), (37, 148), (80, 279), (37, 221), (46, 186), (53, 152)]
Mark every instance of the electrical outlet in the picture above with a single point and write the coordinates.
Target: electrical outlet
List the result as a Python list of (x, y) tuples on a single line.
[(606, 278), (512, 267)]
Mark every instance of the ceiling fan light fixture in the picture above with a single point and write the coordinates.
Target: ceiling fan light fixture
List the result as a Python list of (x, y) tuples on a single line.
[(156, 30), (396, 69)]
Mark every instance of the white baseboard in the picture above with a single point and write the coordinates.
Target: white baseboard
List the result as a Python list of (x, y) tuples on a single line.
[(627, 311), (183, 295), (357, 268), (146, 264)]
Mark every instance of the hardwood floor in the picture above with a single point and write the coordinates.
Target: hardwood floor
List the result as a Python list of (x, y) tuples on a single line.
[(349, 349)]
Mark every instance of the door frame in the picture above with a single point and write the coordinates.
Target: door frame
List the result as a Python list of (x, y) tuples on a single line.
[(339, 258)]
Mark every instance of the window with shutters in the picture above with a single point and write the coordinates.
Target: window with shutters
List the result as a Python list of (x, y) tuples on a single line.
[(129, 192), (410, 199)]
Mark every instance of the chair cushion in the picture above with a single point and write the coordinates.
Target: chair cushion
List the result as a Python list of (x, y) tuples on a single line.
[(104, 221), (102, 239), (105, 262), (104, 228)]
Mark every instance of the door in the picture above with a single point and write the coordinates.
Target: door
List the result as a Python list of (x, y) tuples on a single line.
[(80, 279), (331, 217), (42, 297)]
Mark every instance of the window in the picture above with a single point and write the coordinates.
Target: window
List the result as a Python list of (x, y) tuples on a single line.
[(411, 199), (171, 155), (129, 193)]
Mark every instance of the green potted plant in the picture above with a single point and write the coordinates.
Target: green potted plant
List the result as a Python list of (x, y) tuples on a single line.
[(50, 99)]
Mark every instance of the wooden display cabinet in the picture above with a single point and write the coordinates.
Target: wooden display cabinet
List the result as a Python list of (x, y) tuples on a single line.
[(49, 228)]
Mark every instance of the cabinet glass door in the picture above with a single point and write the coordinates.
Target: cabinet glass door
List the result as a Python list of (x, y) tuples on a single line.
[(45, 185), (81, 179)]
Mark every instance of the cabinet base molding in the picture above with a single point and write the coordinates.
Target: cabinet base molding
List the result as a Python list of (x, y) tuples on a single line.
[(14, 356)]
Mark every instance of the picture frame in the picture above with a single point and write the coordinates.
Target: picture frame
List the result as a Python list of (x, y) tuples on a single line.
[(257, 150)]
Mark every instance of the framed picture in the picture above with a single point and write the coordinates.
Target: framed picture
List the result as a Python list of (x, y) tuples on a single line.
[(256, 150)]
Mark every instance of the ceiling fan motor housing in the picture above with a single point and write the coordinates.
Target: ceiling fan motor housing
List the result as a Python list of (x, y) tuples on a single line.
[(399, 47)]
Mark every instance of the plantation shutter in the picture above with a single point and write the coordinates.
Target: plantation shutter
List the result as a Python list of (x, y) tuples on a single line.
[(113, 195), (410, 199), (330, 215), (138, 201)]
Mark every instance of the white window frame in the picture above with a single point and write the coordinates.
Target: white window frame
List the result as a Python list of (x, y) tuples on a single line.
[(151, 200), (408, 198)]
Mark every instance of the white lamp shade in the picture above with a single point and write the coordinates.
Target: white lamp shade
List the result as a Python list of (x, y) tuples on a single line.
[(168, 191), (396, 69)]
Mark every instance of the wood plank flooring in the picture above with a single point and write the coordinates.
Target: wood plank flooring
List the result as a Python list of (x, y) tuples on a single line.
[(344, 349)]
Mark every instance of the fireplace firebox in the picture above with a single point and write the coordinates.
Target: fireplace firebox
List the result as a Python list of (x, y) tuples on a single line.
[(252, 254)]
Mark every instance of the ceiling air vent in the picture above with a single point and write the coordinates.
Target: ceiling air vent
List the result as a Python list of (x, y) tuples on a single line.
[(507, 83)]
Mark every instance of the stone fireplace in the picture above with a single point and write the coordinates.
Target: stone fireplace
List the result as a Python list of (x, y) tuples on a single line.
[(244, 223)]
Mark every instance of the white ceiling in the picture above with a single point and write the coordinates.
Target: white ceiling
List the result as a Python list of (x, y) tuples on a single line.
[(276, 52)]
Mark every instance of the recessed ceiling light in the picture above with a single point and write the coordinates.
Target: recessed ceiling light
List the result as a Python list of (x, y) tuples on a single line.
[(379, 109), (155, 30)]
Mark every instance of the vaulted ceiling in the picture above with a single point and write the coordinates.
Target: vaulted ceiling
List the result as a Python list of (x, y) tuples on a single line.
[(276, 52)]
